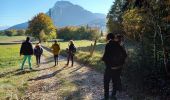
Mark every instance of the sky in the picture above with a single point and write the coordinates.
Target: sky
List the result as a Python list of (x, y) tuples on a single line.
[(14, 12)]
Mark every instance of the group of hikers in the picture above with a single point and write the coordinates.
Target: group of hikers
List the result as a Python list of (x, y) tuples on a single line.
[(27, 50), (114, 58)]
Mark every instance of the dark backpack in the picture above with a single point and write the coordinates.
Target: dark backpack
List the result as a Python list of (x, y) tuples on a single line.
[(74, 49), (38, 51)]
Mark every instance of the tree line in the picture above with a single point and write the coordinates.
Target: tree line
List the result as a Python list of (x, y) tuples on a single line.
[(20, 32), (43, 28), (145, 24)]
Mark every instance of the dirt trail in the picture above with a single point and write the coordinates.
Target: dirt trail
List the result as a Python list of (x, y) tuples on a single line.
[(66, 83)]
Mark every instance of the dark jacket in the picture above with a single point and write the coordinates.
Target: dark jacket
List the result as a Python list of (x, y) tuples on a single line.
[(113, 50), (72, 48), (26, 48), (38, 51)]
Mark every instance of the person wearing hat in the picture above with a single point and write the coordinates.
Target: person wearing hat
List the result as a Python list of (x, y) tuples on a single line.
[(26, 50), (55, 50), (38, 50)]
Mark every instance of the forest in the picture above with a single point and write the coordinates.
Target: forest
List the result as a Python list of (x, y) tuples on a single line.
[(145, 26)]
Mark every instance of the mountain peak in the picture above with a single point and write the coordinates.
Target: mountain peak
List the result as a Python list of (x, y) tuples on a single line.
[(63, 3), (64, 13)]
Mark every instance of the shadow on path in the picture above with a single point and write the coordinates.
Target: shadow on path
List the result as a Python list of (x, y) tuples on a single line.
[(7, 73), (47, 76), (21, 72)]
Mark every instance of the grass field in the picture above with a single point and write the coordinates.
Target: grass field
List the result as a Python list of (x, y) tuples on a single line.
[(12, 38), (13, 82)]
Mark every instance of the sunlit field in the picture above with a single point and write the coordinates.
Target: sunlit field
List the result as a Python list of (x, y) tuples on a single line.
[(12, 38), (13, 82)]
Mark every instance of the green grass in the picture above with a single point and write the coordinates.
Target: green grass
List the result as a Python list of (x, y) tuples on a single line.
[(13, 82), (11, 38)]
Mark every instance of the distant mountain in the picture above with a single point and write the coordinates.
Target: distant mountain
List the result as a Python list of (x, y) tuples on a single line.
[(3, 27), (20, 26), (65, 13)]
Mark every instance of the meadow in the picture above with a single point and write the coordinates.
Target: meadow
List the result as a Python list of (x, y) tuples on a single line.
[(13, 82), (11, 38)]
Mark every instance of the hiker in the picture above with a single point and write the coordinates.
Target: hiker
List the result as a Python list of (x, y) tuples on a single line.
[(114, 57), (55, 50), (27, 51), (71, 50), (38, 50)]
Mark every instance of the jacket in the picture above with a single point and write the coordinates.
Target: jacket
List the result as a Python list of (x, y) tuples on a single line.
[(113, 51), (26, 48), (55, 49), (72, 48)]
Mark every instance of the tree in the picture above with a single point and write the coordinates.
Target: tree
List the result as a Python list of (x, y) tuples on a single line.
[(42, 36), (39, 23), (115, 16), (10, 32), (20, 32), (146, 24)]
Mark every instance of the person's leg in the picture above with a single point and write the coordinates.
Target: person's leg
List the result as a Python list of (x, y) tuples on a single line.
[(36, 59), (116, 82), (39, 57), (107, 79), (23, 62), (29, 61), (55, 59), (68, 58), (72, 60)]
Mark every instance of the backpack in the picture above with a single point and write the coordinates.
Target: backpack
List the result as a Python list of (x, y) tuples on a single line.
[(39, 51), (74, 49)]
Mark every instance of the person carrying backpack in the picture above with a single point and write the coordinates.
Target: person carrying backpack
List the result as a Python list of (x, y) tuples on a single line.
[(114, 58), (55, 50), (26, 50), (38, 50), (71, 52)]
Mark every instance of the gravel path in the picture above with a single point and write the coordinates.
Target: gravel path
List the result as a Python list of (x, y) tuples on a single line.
[(66, 83)]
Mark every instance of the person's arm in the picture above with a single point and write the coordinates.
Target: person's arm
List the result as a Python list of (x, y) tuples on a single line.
[(59, 47), (21, 49), (105, 55), (42, 50), (32, 51)]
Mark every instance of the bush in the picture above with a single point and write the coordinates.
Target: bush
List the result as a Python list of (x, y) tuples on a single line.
[(10, 32), (20, 32), (78, 33)]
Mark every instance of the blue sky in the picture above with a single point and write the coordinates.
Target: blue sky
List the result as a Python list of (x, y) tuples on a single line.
[(17, 11)]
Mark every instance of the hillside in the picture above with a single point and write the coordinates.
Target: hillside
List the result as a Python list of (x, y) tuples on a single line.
[(65, 13)]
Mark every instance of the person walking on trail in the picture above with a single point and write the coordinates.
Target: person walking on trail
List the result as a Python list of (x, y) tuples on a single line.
[(55, 50), (71, 50), (114, 58), (27, 51), (38, 50)]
